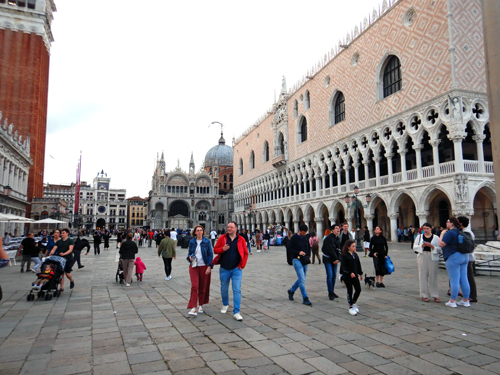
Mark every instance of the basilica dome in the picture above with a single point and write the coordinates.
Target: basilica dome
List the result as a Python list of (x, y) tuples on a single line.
[(220, 155)]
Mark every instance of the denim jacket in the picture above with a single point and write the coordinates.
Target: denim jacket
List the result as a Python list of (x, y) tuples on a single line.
[(206, 250)]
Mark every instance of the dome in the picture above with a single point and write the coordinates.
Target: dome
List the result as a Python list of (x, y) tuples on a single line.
[(219, 155)]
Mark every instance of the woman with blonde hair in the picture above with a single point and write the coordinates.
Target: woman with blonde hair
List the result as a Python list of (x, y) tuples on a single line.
[(200, 256)]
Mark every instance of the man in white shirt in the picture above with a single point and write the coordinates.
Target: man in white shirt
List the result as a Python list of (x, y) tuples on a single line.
[(213, 236), (173, 235)]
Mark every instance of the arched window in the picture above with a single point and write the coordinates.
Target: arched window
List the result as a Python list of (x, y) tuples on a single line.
[(252, 160), (281, 144), (307, 101), (339, 108), (225, 177), (241, 167), (392, 76), (265, 153), (302, 130), (231, 177), (295, 109), (225, 185)]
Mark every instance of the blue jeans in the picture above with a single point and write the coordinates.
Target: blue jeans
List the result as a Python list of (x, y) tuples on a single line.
[(226, 275), (301, 281), (331, 273), (456, 265), (37, 262), (249, 248)]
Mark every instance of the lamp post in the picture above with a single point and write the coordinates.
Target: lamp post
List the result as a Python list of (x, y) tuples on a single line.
[(354, 202)]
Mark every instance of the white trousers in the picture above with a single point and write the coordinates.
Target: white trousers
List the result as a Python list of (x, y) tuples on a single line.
[(427, 275)]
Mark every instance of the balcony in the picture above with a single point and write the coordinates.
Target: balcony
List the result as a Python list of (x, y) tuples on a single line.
[(279, 160)]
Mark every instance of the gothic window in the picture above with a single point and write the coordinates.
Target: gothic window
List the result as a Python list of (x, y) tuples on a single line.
[(337, 113), (231, 177), (225, 186), (230, 186), (307, 101), (241, 167), (281, 144), (295, 109), (265, 155), (302, 130), (221, 219), (225, 177), (392, 76), (252, 160)]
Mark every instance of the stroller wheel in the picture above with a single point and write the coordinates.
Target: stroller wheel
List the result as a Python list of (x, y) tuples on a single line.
[(40, 294), (47, 297), (28, 297)]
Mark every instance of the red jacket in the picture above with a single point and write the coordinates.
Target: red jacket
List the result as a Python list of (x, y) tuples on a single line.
[(242, 249)]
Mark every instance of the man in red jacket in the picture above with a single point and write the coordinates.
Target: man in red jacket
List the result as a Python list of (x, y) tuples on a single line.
[(232, 257)]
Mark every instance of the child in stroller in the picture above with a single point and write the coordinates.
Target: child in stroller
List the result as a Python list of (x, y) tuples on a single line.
[(49, 278)]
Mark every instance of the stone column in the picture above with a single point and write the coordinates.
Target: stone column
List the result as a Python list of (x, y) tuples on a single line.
[(459, 156), (377, 170), (394, 227), (435, 156), (320, 231), (369, 223), (418, 156), (367, 175), (480, 151), (295, 226), (347, 182), (389, 156), (422, 217), (319, 184), (402, 153), (356, 173)]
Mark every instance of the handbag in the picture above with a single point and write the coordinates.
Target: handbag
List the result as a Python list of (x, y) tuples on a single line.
[(389, 266), (305, 260)]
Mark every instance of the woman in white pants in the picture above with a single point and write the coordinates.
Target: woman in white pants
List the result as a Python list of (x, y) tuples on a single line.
[(426, 246)]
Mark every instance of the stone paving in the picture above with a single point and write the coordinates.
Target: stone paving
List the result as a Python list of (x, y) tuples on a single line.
[(102, 327)]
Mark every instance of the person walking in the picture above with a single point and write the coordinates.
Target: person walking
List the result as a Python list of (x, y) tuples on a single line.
[(456, 263), (464, 223), (300, 250), (331, 259), (106, 236), (426, 245), (29, 250), (150, 237), (286, 243), (379, 251), (80, 244), (213, 237), (119, 239), (314, 243), (64, 248), (232, 256), (200, 256), (97, 243), (140, 267), (258, 240), (51, 241), (366, 240), (166, 250), (345, 235), (127, 251), (173, 235), (352, 273)]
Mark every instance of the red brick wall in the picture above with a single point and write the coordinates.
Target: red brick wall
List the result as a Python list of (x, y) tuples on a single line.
[(24, 81)]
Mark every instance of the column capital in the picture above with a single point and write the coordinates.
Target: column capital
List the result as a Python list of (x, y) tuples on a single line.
[(377, 159), (422, 213), (369, 217), (479, 138), (393, 216), (389, 155), (418, 147), (318, 219), (435, 142), (296, 221)]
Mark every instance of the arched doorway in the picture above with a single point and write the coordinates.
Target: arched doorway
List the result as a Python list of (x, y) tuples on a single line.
[(158, 216), (100, 224), (484, 221), (178, 215), (407, 216), (381, 217), (439, 208)]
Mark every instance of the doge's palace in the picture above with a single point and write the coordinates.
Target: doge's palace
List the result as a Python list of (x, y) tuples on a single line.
[(399, 109)]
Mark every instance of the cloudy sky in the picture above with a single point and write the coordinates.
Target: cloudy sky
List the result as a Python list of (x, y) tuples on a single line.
[(132, 78)]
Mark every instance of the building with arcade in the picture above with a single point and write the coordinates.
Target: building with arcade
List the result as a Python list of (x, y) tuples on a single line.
[(399, 109)]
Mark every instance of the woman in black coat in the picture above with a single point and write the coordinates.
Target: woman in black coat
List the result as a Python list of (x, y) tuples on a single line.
[(127, 251), (379, 251), (106, 237)]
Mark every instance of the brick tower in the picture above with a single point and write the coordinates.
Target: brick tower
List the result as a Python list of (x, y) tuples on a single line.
[(25, 38)]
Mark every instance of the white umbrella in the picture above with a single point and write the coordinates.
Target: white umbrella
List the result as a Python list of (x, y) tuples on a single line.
[(48, 221), (10, 218)]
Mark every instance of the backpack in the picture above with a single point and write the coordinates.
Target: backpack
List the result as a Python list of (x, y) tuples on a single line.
[(465, 243)]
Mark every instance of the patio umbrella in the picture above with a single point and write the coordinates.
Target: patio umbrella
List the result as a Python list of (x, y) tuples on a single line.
[(48, 221), (10, 218)]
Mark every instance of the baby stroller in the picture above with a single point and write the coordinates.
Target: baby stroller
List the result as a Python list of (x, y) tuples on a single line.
[(119, 273), (51, 287)]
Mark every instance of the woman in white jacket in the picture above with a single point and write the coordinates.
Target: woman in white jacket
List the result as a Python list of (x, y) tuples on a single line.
[(427, 247)]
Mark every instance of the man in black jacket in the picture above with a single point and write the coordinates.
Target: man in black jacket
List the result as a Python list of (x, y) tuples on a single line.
[(80, 244), (301, 254), (331, 259)]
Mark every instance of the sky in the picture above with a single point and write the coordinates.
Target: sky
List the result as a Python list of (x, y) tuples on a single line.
[(132, 78)]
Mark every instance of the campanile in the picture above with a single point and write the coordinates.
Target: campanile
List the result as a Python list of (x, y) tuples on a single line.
[(25, 39)]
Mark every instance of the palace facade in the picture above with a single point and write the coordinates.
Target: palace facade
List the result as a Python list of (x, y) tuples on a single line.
[(399, 109)]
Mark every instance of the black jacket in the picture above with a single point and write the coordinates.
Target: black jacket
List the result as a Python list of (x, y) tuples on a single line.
[(298, 244), (128, 249), (351, 264), (366, 236), (378, 244), (80, 244), (331, 248)]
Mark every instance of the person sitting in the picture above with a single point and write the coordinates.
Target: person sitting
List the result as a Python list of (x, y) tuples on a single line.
[(44, 277)]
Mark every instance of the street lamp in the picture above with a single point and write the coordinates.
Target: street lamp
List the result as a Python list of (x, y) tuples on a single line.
[(354, 202)]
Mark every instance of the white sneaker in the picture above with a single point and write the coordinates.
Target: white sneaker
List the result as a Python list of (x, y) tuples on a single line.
[(127, 284), (224, 309), (200, 310), (238, 317), (352, 311), (259, 251), (355, 307), (451, 304), (168, 278), (463, 303), (193, 311)]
